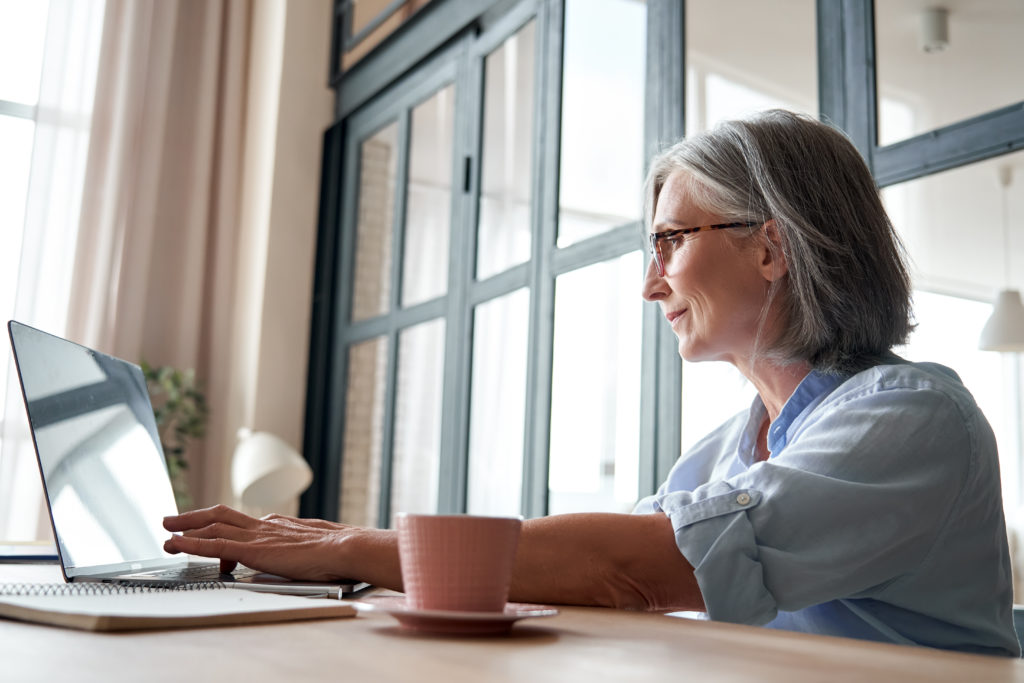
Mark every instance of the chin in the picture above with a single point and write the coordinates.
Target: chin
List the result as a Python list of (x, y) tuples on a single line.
[(692, 353)]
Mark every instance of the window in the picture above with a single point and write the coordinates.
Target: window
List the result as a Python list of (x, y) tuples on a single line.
[(465, 277), (398, 228), (945, 64), (547, 348), (737, 76), (22, 36), (595, 399), (362, 24), (600, 175), (50, 52)]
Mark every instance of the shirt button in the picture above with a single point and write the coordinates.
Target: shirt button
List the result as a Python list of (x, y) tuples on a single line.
[(743, 499)]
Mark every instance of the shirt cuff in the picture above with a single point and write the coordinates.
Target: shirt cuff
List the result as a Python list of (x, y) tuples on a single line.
[(713, 532)]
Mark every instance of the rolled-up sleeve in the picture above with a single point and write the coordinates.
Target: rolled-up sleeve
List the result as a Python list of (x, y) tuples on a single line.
[(714, 532), (853, 502)]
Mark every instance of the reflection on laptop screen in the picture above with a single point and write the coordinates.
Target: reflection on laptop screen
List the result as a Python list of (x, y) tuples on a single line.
[(99, 450)]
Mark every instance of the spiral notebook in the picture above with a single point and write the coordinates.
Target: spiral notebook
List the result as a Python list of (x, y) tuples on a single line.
[(114, 607)]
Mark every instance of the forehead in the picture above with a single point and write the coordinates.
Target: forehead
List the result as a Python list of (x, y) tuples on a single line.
[(677, 206)]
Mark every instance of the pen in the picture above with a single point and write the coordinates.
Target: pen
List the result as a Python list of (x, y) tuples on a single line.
[(283, 589)]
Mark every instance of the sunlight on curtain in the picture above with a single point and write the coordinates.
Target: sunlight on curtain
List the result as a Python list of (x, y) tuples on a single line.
[(45, 109)]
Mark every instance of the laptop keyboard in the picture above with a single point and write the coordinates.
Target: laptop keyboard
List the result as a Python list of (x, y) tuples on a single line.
[(198, 573)]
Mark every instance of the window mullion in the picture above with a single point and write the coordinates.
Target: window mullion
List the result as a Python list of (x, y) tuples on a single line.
[(542, 284), (661, 367), (459, 332), (18, 110), (846, 70)]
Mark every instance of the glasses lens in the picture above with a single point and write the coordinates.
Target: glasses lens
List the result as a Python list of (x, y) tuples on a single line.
[(654, 249)]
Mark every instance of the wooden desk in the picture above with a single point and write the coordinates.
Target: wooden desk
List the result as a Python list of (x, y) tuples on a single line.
[(580, 644)]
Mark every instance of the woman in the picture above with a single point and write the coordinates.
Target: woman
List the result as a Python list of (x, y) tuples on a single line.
[(859, 495)]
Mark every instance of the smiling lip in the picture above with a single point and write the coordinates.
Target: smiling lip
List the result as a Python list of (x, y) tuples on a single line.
[(672, 316)]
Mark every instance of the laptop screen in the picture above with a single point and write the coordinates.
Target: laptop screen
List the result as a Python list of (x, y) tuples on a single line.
[(99, 451)]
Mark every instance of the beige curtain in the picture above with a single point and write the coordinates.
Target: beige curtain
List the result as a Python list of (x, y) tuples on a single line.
[(36, 256), (156, 262)]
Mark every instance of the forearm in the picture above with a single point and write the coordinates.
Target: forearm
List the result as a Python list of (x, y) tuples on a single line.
[(371, 555), (583, 559), (614, 560)]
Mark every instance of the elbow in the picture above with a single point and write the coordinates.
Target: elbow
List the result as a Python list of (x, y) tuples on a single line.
[(630, 591)]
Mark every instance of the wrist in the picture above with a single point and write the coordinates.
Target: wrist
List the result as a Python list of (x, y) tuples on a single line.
[(370, 555)]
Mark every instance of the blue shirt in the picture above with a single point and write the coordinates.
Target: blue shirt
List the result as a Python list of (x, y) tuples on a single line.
[(878, 515)]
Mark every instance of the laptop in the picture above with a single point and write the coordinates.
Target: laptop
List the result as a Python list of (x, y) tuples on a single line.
[(103, 470)]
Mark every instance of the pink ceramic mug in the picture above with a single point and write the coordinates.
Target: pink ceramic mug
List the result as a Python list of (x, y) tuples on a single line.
[(457, 562)]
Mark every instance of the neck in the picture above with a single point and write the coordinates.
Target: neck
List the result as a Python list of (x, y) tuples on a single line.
[(775, 383)]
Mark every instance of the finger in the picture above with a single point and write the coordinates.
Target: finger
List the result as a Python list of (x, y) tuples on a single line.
[(204, 547), (200, 518), (174, 546), (228, 532)]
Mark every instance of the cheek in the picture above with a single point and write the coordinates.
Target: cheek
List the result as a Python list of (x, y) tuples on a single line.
[(728, 297), (717, 279), (687, 271)]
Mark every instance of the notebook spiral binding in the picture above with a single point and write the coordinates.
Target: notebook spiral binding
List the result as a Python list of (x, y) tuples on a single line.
[(56, 589)]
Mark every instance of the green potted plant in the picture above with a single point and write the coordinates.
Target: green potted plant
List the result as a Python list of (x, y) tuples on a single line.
[(181, 413)]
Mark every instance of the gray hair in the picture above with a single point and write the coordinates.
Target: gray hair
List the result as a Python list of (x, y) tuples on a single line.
[(845, 300)]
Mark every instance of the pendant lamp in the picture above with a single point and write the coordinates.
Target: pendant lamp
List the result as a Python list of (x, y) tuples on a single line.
[(1004, 331)]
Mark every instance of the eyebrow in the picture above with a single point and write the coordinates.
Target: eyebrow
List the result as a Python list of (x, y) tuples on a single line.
[(676, 225)]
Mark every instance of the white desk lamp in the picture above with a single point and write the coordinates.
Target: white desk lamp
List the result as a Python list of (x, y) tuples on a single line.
[(267, 475)]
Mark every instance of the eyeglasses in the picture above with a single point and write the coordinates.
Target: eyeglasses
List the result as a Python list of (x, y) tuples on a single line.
[(661, 245)]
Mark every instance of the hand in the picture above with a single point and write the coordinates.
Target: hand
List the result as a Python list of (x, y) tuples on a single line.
[(303, 549)]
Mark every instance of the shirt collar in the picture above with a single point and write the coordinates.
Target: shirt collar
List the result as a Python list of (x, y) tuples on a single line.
[(808, 394)]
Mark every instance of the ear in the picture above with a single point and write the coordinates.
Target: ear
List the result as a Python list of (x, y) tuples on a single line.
[(773, 264)]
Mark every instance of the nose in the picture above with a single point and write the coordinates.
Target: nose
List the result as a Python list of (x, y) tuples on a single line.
[(654, 286)]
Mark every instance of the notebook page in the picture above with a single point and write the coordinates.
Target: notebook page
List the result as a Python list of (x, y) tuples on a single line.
[(165, 608)]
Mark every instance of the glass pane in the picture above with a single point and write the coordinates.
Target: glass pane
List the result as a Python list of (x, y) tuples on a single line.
[(737, 76), (602, 153), (378, 162), (15, 161), (22, 37), (962, 229), (712, 393), (366, 11), (497, 413), (937, 67), (363, 12), (429, 199), (417, 441), (364, 422), (507, 174), (595, 401)]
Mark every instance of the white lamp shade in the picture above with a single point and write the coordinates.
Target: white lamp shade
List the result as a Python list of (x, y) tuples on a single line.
[(266, 471), (1004, 331)]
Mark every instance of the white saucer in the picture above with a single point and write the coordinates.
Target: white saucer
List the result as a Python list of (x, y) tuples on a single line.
[(456, 623)]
